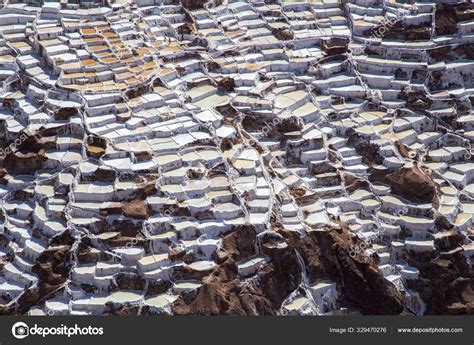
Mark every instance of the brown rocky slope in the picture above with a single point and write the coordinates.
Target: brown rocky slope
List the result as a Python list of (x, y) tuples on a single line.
[(325, 253)]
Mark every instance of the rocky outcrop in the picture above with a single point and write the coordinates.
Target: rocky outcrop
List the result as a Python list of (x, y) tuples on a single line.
[(65, 113), (361, 283), (334, 45), (399, 31), (283, 34), (447, 17), (410, 183), (222, 292), (193, 4), (226, 84), (366, 149), (52, 269), (136, 209), (25, 155), (240, 243), (25, 163), (444, 284), (416, 100)]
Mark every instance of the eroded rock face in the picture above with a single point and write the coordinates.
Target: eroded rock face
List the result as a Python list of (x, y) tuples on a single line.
[(52, 268), (448, 16), (240, 243), (104, 174), (444, 286), (27, 157), (335, 46), (193, 4), (460, 297), (362, 285), (226, 84), (222, 293), (65, 113), (136, 209), (30, 162), (416, 100), (409, 32), (412, 184), (283, 34), (368, 150)]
